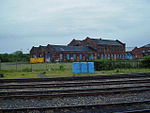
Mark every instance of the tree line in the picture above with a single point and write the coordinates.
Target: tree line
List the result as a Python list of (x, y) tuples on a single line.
[(16, 56)]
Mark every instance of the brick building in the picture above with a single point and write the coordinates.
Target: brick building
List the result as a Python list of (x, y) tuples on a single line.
[(107, 49), (78, 50), (141, 52)]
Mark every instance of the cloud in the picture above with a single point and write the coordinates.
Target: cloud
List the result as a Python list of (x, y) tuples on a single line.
[(49, 21)]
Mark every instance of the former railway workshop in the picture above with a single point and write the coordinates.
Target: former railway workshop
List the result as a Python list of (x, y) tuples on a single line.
[(79, 50)]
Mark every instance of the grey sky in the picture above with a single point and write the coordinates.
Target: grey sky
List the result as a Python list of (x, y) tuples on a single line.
[(27, 23)]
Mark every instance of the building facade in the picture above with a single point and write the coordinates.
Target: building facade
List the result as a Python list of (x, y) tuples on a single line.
[(108, 49), (139, 53), (79, 50)]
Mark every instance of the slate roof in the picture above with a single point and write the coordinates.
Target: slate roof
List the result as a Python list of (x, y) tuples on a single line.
[(148, 45), (43, 47), (128, 49), (79, 41), (72, 48), (106, 42)]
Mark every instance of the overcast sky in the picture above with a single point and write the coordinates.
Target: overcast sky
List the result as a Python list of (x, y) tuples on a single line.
[(27, 23)]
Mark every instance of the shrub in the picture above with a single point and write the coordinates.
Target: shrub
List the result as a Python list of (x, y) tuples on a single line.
[(27, 70), (43, 72), (145, 62), (61, 67)]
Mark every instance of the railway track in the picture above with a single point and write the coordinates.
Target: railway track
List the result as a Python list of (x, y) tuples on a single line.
[(136, 75), (58, 91), (73, 84), (97, 108), (68, 94)]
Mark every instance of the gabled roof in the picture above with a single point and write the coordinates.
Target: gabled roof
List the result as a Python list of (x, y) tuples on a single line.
[(148, 45), (72, 48), (106, 42), (43, 47), (129, 49), (79, 41)]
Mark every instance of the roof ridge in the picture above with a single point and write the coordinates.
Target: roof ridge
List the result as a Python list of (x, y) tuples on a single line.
[(103, 39)]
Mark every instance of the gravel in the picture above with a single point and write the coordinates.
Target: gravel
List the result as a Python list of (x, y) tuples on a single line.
[(78, 100)]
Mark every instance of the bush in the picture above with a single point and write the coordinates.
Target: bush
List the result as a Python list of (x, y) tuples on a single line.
[(145, 62), (111, 65), (61, 68), (27, 70)]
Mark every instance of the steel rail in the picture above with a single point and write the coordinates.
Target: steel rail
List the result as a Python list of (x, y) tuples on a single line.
[(75, 84), (133, 75), (71, 90), (77, 93)]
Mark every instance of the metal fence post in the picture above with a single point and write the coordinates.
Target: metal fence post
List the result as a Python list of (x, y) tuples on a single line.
[(31, 66), (16, 65), (0, 64), (46, 66)]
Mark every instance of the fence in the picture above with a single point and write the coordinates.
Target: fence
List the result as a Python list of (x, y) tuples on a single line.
[(16, 66), (109, 65)]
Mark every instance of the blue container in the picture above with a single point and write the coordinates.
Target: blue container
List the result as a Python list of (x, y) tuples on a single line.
[(84, 67), (76, 67), (90, 67)]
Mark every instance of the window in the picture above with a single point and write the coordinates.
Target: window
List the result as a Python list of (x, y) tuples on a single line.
[(109, 56), (102, 56), (105, 56), (120, 56), (80, 56), (92, 57), (40, 55), (112, 56), (61, 56), (74, 56), (86, 56), (98, 56), (68, 57)]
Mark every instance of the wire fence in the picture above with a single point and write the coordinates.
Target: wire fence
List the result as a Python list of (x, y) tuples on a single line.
[(99, 65), (110, 65), (17, 66)]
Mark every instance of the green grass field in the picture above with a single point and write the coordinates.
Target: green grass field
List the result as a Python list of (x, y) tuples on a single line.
[(54, 70)]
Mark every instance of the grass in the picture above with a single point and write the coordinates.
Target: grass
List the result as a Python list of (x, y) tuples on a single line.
[(8, 75), (67, 73), (55, 70)]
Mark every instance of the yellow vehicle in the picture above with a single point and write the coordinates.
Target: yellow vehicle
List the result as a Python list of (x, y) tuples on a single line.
[(37, 60)]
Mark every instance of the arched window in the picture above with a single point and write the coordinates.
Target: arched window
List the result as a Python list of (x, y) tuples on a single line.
[(109, 56), (102, 56), (68, 57), (105, 56), (98, 56), (80, 56), (86, 56), (74, 56), (92, 57), (112, 56)]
